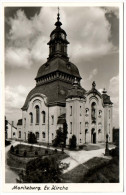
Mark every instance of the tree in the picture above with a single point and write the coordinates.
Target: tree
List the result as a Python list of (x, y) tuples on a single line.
[(42, 171), (32, 138), (61, 136), (6, 127), (72, 142)]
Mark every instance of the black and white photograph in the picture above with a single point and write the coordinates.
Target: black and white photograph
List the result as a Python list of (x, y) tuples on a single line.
[(62, 86)]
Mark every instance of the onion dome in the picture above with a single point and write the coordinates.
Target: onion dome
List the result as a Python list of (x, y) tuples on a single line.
[(76, 91), (58, 65)]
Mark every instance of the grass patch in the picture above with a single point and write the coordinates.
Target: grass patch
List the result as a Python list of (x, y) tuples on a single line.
[(109, 173), (96, 170), (18, 160), (31, 151)]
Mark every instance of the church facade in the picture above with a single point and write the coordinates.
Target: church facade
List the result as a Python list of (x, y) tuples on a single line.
[(58, 99)]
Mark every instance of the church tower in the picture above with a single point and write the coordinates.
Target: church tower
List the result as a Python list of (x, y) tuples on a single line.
[(75, 112)]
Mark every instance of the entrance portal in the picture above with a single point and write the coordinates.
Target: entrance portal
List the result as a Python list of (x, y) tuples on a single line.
[(93, 136)]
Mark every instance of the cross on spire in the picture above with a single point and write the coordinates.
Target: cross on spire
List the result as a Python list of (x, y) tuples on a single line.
[(58, 10)]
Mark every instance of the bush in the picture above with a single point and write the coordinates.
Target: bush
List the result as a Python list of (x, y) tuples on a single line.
[(25, 153), (32, 138), (36, 153), (81, 147), (114, 152), (17, 151), (72, 142), (46, 152), (42, 171), (12, 148), (7, 143), (55, 151)]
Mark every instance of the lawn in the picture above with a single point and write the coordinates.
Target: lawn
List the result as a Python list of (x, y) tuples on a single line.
[(96, 170), (32, 151), (18, 160)]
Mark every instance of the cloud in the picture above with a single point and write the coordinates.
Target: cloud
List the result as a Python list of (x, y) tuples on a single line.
[(19, 57), (15, 97), (88, 33), (113, 91)]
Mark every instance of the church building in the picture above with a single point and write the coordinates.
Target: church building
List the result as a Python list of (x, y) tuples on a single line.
[(58, 99)]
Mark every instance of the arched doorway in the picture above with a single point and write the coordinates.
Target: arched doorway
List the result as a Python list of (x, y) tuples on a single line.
[(93, 136), (86, 130)]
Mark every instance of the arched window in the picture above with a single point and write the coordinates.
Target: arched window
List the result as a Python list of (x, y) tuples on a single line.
[(43, 134), (37, 135), (109, 114), (31, 117), (80, 127), (52, 119), (86, 124), (80, 111), (70, 110), (86, 111), (100, 113), (70, 127), (52, 136), (37, 114), (43, 116), (80, 140), (93, 111)]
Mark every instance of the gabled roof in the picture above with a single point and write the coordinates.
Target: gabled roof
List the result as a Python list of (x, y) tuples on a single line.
[(94, 90)]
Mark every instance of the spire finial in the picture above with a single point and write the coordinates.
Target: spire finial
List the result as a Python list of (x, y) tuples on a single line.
[(58, 15), (104, 91), (58, 23), (93, 85)]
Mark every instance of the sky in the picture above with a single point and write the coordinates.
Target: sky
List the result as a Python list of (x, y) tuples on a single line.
[(93, 33)]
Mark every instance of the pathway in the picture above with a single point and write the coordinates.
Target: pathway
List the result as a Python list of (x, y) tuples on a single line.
[(79, 157)]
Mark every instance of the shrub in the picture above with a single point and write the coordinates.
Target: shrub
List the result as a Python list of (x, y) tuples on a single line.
[(25, 153), (36, 153), (46, 152), (114, 152), (81, 147), (12, 148), (55, 151), (72, 142), (42, 171), (32, 138), (17, 151), (7, 143)]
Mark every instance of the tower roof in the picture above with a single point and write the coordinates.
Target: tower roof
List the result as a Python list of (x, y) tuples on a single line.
[(58, 64), (76, 90)]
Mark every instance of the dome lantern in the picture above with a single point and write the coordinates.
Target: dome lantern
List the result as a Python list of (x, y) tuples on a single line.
[(58, 42)]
